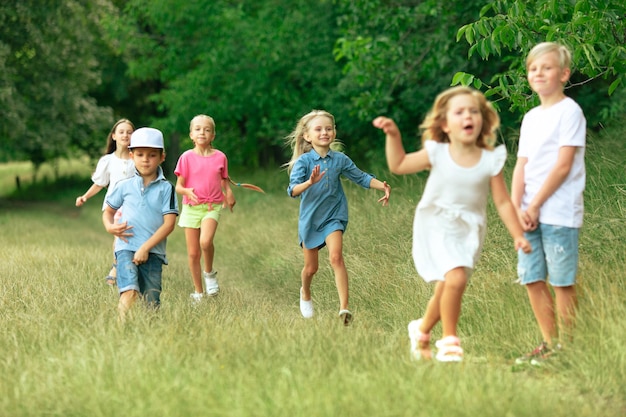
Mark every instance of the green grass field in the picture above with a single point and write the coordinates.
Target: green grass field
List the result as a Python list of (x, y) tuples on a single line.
[(248, 352)]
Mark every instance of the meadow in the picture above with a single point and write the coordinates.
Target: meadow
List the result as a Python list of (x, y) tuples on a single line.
[(248, 352)]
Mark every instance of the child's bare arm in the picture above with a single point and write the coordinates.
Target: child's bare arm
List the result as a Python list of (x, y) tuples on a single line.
[(93, 190), (120, 230), (507, 212), (184, 191), (381, 186), (169, 223), (555, 178), (517, 191), (229, 196), (398, 160)]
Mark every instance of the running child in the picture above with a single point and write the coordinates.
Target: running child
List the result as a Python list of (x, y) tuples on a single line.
[(315, 176), (204, 184), (149, 216), (450, 220), (115, 165)]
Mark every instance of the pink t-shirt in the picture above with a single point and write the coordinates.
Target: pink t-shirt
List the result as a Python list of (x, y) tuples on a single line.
[(204, 174)]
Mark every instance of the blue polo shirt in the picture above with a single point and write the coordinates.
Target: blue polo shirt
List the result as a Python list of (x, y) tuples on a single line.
[(323, 206), (143, 208)]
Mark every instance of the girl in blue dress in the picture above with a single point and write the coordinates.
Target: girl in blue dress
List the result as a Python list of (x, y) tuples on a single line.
[(315, 172)]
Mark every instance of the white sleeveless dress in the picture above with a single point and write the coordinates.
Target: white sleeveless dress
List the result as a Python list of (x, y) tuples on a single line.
[(451, 218)]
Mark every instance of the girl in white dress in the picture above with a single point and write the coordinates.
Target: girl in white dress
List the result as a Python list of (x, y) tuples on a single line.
[(450, 220), (114, 166)]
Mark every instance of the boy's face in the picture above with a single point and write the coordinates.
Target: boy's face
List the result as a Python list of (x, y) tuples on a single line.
[(545, 75), (202, 131), (147, 160)]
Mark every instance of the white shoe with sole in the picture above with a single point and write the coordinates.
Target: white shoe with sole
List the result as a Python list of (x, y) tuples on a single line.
[(210, 283), (306, 307)]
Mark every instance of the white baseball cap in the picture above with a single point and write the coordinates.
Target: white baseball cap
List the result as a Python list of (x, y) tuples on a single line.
[(146, 137)]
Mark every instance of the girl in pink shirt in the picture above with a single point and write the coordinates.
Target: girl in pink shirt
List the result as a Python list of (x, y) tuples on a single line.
[(203, 182)]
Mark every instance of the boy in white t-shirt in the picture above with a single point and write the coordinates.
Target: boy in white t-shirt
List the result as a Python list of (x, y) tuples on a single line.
[(547, 189)]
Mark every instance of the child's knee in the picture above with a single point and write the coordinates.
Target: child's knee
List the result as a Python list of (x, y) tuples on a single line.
[(310, 270)]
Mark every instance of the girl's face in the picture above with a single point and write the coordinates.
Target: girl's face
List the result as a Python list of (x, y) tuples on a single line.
[(320, 132), (545, 75), (202, 132), (464, 121), (122, 134)]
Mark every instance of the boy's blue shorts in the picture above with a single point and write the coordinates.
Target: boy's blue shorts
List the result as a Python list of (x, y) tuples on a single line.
[(554, 255), (144, 278)]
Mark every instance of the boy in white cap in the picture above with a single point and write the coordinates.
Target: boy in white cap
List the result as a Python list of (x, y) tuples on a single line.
[(149, 216)]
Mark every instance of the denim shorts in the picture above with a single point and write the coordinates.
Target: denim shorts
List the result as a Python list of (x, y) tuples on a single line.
[(193, 216), (554, 255), (144, 278)]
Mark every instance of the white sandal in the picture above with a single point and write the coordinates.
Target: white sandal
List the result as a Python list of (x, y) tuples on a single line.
[(420, 342), (449, 349)]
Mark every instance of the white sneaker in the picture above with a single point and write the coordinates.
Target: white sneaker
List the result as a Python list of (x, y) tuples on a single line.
[(210, 283), (306, 307), (196, 297)]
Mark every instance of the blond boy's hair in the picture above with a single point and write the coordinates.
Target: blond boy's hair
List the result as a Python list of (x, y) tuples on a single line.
[(565, 56)]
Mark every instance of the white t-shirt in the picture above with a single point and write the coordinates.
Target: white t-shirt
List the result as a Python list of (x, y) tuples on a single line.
[(110, 170), (543, 133)]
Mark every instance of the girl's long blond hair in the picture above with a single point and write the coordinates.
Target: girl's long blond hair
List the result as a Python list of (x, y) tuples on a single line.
[(432, 125), (295, 140)]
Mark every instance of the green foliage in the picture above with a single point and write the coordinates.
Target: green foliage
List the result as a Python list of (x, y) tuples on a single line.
[(48, 63), (397, 56), (594, 31), (254, 67)]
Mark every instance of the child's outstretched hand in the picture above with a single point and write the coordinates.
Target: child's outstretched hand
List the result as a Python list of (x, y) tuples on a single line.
[(385, 199), (316, 175), (523, 244), (387, 125)]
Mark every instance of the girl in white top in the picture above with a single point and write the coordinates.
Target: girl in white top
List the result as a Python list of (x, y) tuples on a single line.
[(114, 166), (450, 220)]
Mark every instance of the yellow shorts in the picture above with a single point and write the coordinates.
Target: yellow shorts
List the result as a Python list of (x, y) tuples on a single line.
[(193, 216)]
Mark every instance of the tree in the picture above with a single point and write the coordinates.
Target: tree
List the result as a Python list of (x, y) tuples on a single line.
[(594, 31), (397, 56), (255, 67), (48, 64)]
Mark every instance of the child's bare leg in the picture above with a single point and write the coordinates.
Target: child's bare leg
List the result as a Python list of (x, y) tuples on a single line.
[(451, 298), (542, 304), (311, 264), (192, 239), (566, 303), (334, 242), (127, 299), (432, 315), (112, 275), (207, 234)]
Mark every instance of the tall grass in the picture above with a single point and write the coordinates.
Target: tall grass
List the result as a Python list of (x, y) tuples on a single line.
[(248, 352)]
